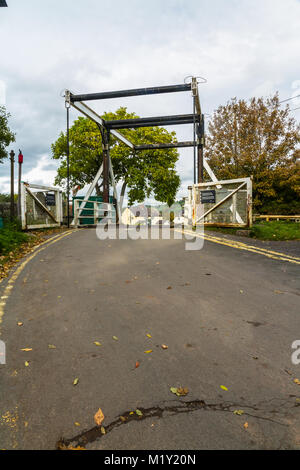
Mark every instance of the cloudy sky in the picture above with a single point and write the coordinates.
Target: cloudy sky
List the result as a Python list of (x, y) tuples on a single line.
[(243, 48)]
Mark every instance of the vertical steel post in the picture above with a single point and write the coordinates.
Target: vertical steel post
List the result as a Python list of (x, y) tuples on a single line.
[(200, 164), (20, 160), (19, 190), (106, 137), (68, 165), (195, 168), (12, 182), (201, 138)]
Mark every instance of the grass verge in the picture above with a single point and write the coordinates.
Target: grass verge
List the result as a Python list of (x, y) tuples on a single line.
[(274, 230), (15, 244)]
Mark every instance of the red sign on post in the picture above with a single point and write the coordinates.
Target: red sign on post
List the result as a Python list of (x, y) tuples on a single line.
[(20, 157)]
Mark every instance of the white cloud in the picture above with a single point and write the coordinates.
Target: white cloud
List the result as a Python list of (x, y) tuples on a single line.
[(2, 93), (39, 174)]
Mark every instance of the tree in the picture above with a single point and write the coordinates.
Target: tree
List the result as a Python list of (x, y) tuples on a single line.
[(145, 173), (257, 138), (6, 135)]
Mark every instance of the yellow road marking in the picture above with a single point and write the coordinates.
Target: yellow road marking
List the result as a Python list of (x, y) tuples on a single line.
[(243, 246), (16, 274)]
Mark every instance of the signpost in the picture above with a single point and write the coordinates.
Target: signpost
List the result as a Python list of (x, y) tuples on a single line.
[(208, 197), (12, 192), (50, 199), (20, 160)]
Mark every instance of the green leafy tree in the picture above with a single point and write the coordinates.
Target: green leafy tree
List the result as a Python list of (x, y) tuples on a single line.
[(257, 138), (6, 135), (144, 173)]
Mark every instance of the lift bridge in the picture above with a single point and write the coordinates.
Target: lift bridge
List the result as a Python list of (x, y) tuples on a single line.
[(113, 128), (89, 208)]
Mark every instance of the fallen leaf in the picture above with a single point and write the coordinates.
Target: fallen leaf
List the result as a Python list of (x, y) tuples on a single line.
[(149, 352), (123, 419), (180, 392), (97, 343), (131, 413), (169, 288), (139, 413), (297, 381), (224, 388), (76, 381), (26, 349), (137, 364), (103, 432), (20, 323), (77, 424), (51, 346), (238, 412), (149, 336), (164, 346), (246, 425), (278, 292), (99, 417), (241, 291), (26, 364), (115, 338)]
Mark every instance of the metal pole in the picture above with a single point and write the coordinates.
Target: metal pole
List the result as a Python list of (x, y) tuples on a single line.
[(135, 92), (195, 173), (106, 138), (200, 164), (68, 165), (201, 137), (12, 195), (19, 190), (20, 161)]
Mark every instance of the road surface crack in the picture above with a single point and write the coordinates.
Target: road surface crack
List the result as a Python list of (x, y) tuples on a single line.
[(96, 433)]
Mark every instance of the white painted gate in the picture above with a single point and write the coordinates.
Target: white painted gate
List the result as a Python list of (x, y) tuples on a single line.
[(230, 206), (41, 206)]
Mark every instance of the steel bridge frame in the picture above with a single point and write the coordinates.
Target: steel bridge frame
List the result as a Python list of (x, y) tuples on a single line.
[(109, 128)]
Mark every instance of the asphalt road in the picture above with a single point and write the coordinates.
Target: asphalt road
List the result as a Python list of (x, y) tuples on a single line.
[(228, 316)]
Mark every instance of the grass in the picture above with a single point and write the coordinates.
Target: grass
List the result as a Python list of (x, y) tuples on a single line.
[(274, 230), (11, 237)]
